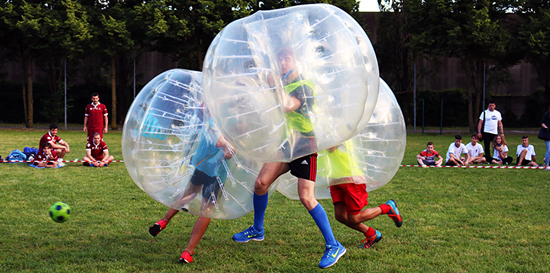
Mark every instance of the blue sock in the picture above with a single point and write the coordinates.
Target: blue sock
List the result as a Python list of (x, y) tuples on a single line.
[(320, 216), (260, 204)]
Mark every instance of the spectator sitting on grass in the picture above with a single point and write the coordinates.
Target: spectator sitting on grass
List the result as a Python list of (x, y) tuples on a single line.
[(500, 151), (455, 151), (58, 145), (97, 154), (475, 150), (47, 158), (427, 157), (526, 153)]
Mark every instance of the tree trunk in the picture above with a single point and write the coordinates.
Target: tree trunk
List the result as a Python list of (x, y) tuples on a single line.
[(24, 66), (470, 75), (113, 94), (30, 101)]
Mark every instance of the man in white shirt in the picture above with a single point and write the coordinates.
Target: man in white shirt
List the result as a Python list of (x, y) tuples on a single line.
[(475, 150), (490, 123), (526, 153), (456, 149)]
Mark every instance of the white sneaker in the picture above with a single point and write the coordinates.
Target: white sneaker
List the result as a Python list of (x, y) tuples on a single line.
[(60, 162), (547, 168)]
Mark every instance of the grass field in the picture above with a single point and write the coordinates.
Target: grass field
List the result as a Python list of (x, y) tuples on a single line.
[(455, 220)]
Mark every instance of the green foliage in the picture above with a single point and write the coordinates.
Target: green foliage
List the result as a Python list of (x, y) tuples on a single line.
[(534, 38)]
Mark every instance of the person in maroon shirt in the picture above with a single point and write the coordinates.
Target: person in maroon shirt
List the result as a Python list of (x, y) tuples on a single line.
[(428, 157), (95, 118), (59, 146), (47, 158), (97, 154)]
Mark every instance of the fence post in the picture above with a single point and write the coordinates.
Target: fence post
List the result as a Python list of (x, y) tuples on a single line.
[(422, 115)]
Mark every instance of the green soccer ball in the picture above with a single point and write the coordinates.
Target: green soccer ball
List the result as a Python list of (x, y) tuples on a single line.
[(60, 212)]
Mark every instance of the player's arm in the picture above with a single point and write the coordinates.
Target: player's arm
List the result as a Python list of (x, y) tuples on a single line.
[(501, 127), (106, 128), (65, 145), (89, 155), (85, 129), (452, 156), (479, 124), (291, 104), (419, 156), (228, 149)]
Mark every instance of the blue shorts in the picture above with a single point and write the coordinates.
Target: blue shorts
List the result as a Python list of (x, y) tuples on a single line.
[(209, 184)]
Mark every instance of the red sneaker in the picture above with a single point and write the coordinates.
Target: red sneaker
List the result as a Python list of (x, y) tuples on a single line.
[(394, 213), (155, 229), (186, 257), (370, 241)]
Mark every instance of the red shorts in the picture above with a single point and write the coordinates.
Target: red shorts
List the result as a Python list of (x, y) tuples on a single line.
[(354, 196), (92, 131)]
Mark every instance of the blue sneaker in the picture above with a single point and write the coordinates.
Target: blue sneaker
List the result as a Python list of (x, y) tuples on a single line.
[(394, 213), (332, 254), (370, 241), (248, 234)]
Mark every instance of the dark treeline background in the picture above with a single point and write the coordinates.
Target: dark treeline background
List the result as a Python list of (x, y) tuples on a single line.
[(101, 41)]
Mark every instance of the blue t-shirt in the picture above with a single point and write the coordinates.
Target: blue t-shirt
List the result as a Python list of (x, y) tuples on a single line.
[(208, 158)]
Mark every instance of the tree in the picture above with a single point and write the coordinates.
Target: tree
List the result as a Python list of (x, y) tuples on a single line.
[(534, 38), (113, 39), (21, 34), (470, 30), (69, 21)]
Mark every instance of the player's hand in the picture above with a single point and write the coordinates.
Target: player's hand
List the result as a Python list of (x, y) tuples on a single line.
[(271, 80), (105, 130), (68, 149), (85, 129)]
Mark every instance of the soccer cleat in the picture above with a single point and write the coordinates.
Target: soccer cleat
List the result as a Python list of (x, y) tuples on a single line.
[(332, 254), (370, 241), (185, 208), (155, 229), (394, 213), (249, 234), (186, 257)]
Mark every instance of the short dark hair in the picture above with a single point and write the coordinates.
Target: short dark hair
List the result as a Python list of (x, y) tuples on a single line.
[(491, 101), (97, 134), (458, 137), (474, 135), (95, 94), (53, 126), (429, 143), (524, 137), (47, 144), (285, 51)]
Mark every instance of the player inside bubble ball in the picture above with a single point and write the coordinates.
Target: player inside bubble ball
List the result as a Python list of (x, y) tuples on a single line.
[(298, 99), (348, 190), (207, 160)]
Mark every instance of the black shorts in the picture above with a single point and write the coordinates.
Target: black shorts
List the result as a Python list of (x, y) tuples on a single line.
[(429, 162), (209, 184), (525, 162), (304, 145), (304, 167)]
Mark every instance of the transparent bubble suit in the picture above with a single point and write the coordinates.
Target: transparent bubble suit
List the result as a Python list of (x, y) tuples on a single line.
[(165, 129), (372, 157), (246, 82)]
